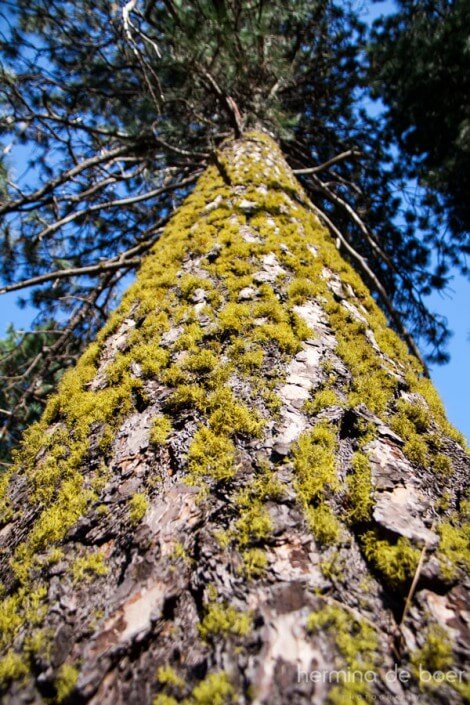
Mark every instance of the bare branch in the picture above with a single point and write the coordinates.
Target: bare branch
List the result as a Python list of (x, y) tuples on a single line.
[(226, 100), (117, 203), (65, 176), (394, 315), (71, 272), (321, 167)]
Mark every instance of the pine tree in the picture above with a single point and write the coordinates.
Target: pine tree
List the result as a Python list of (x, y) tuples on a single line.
[(115, 109), (245, 484)]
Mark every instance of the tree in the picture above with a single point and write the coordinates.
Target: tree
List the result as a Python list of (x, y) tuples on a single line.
[(120, 108), (421, 67), (19, 351), (245, 484)]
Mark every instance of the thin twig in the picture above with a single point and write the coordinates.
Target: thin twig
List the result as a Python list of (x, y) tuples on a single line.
[(71, 272), (117, 203), (330, 162), (416, 576), (65, 176)]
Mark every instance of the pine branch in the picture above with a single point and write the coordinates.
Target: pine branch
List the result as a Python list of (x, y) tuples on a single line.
[(116, 203), (63, 178), (321, 167)]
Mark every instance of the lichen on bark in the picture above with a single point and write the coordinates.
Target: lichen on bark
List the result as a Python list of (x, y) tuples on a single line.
[(246, 454)]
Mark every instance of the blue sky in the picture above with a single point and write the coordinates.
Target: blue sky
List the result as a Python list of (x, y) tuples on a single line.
[(452, 380)]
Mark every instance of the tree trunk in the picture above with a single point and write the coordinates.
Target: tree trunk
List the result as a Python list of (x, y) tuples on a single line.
[(245, 491)]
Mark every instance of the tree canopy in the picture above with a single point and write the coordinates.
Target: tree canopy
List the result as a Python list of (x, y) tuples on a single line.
[(119, 107), (421, 63)]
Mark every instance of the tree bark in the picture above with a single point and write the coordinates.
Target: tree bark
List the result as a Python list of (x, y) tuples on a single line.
[(246, 491)]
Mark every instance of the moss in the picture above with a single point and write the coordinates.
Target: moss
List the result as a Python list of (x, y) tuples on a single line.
[(12, 668), (366, 432), (316, 480), (271, 309), (417, 413), (179, 552), (280, 333), (201, 362), (164, 699), (26, 607), (255, 563), (442, 465), (6, 511), (54, 555), (464, 512), (300, 290), (190, 338), (250, 361), (154, 323), (56, 481), (187, 395), (436, 652), (230, 417), (396, 562), (324, 525), (222, 537), (160, 430), (431, 663), (444, 502), (463, 689), (211, 454), (52, 524), (151, 358), (357, 644), (300, 328), (264, 486), (138, 505), (219, 376), (10, 618), (416, 450), (166, 675), (38, 643), (223, 619), (88, 566), (175, 375), (314, 463), (402, 426), (189, 283), (454, 542), (331, 566), (321, 400), (359, 490), (65, 682), (215, 689), (234, 318), (254, 525), (412, 422), (272, 400), (424, 386), (372, 383), (100, 479)]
